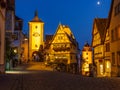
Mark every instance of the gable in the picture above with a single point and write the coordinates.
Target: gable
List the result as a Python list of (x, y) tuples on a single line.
[(68, 31), (96, 40), (61, 38), (95, 29), (62, 35)]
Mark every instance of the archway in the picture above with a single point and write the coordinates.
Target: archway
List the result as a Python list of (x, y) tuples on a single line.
[(35, 56)]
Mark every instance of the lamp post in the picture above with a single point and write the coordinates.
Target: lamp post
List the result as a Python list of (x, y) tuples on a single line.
[(26, 48)]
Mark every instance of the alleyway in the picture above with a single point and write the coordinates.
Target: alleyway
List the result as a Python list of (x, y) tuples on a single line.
[(29, 77)]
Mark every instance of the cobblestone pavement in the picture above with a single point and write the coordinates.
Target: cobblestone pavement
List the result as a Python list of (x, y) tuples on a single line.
[(49, 80)]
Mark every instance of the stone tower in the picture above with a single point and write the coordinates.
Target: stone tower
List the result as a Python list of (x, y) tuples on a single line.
[(36, 35)]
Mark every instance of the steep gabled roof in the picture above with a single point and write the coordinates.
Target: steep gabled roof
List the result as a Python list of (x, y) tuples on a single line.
[(101, 24), (71, 39), (110, 13), (48, 39), (68, 33), (87, 47)]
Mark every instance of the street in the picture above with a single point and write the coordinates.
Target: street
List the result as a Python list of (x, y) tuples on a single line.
[(27, 78)]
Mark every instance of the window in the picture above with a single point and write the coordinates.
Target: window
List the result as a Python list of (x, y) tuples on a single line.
[(86, 53), (36, 27), (112, 35), (118, 32), (71, 57), (118, 58), (36, 45), (16, 35), (107, 47), (60, 37), (113, 59), (117, 9), (8, 23)]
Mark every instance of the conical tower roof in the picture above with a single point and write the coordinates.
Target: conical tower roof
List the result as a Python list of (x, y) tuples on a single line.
[(36, 18)]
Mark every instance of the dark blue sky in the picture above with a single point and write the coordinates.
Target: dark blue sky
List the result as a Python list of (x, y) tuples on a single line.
[(77, 14)]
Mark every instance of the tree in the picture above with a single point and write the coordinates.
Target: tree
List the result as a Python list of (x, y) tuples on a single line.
[(9, 54)]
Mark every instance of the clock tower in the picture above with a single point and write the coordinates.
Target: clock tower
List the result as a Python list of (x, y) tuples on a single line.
[(36, 35)]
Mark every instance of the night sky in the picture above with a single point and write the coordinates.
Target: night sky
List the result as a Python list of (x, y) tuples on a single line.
[(77, 14)]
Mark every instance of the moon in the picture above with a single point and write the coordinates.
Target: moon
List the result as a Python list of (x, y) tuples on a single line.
[(98, 2)]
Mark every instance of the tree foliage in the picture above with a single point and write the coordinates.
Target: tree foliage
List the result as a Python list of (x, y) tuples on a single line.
[(9, 50)]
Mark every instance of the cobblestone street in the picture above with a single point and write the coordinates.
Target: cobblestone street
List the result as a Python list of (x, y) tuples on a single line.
[(32, 79)]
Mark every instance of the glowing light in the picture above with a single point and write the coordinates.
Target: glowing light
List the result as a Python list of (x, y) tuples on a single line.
[(25, 39), (98, 2), (15, 51), (17, 72)]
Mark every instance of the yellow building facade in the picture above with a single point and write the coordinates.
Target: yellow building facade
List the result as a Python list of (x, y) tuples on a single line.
[(86, 59), (107, 54), (63, 48), (98, 36), (114, 29), (106, 44), (36, 35), (2, 35)]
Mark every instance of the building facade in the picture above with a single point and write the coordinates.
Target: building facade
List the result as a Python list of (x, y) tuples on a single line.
[(98, 37), (63, 48), (2, 35), (24, 47), (86, 59), (36, 36), (114, 30), (107, 54)]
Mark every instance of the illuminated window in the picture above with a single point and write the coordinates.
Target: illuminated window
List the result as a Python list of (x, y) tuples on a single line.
[(108, 64), (101, 69)]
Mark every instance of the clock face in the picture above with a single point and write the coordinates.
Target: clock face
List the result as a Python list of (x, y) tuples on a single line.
[(36, 34), (35, 40)]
